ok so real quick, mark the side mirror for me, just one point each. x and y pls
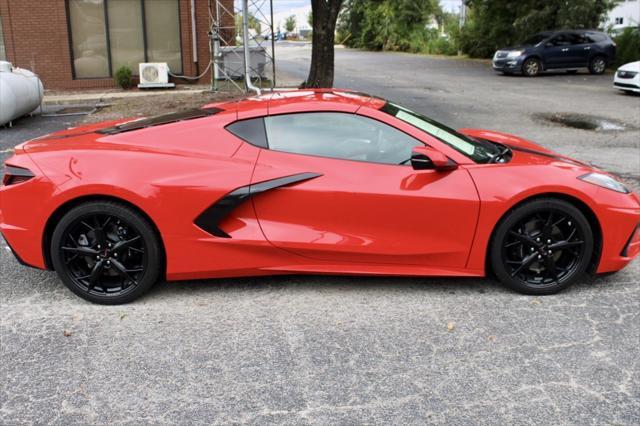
(549, 44)
(427, 158)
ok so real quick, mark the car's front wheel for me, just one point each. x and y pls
(542, 246)
(106, 252)
(531, 67)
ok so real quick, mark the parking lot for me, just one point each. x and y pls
(345, 350)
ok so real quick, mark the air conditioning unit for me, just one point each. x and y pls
(154, 75)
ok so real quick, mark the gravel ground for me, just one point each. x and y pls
(161, 104)
(346, 350)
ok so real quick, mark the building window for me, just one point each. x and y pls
(89, 40)
(108, 34)
(126, 37)
(3, 52)
(163, 33)
(619, 21)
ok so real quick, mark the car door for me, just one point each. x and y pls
(579, 51)
(556, 52)
(346, 198)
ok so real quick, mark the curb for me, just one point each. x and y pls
(58, 100)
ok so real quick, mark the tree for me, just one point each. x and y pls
(325, 16)
(389, 24)
(290, 23)
(254, 24)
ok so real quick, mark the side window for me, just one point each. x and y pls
(577, 38)
(251, 130)
(561, 40)
(595, 37)
(339, 135)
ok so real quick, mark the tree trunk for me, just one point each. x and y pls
(325, 15)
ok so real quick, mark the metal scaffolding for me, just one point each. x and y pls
(242, 45)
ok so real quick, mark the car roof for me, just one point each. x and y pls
(300, 100)
(584, 30)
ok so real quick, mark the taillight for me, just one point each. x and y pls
(13, 175)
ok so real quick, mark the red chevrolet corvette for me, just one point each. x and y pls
(311, 182)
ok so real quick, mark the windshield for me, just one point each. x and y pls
(478, 151)
(533, 40)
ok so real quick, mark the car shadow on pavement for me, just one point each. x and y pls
(346, 285)
(549, 74)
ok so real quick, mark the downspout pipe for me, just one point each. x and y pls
(194, 35)
(247, 55)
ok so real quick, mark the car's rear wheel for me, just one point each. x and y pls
(106, 252)
(597, 65)
(542, 246)
(531, 67)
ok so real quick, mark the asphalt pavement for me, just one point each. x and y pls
(347, 350)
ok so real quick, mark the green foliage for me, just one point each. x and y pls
(442, 46)
(123, 77)
(290, 23)
(389, 24)
(254, 24)
(493, 24)
(628, 46)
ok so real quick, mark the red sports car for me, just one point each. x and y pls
(307, 182)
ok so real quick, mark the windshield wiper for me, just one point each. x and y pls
(504, 151)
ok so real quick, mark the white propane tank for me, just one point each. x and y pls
(21, 92)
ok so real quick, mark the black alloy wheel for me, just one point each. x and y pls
(106, 252)
(542, 247)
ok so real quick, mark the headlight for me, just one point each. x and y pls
(605, 181)
(515, 53)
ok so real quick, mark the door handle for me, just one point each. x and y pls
(587, 48)
(565, 49)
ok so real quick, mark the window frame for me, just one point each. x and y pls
(268, 147)
(105, 10)
(4, 42)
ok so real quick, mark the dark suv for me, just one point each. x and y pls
(555, 50)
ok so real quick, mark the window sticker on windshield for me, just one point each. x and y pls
(460, 144)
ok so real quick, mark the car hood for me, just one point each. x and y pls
(512, 48)
(524, 151)
(632, 66)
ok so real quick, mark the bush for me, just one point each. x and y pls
(123, 77)
(442, 46)
(628, 46)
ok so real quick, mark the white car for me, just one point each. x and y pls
(628, 77)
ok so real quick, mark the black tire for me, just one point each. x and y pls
(541, 247)
(532, 67)
(106, 252)
(598, 65)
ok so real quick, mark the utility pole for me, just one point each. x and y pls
(463, 13)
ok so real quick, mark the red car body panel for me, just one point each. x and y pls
(353, 218)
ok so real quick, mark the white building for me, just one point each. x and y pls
(625, 14)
